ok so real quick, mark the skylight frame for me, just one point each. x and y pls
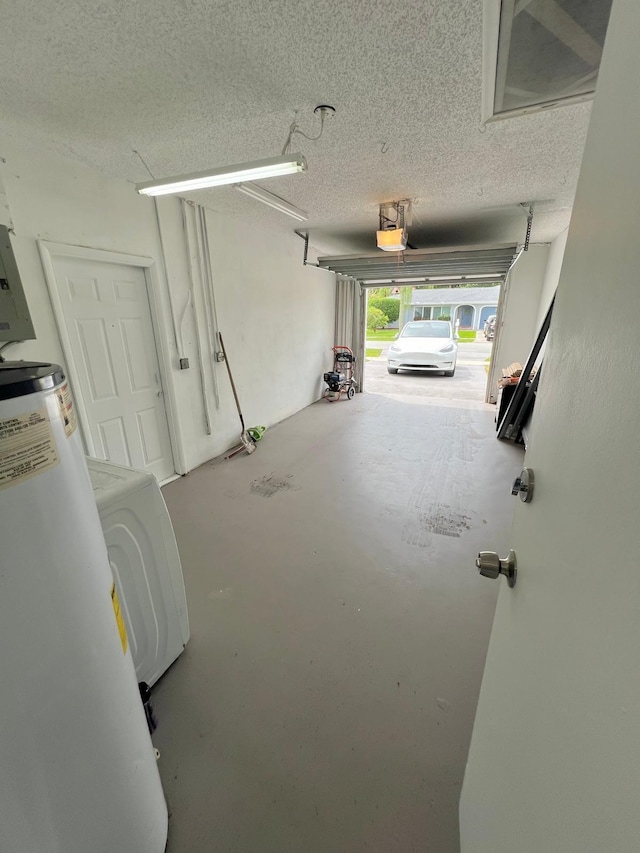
(491, 39)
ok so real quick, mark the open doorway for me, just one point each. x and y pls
(428, 340)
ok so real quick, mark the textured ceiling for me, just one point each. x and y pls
(198, 83)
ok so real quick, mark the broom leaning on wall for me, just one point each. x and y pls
(248, 437)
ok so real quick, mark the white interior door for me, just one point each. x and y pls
(106, 313)
(554, 763)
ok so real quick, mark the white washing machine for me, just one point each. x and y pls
(146, 565)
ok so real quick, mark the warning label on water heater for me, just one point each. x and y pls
(27, 447)
(67, 410)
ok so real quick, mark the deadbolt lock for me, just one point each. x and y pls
(490, 565)
(523, 485)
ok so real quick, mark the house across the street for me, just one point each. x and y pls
(470, 305)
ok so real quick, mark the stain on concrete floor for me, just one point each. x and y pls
(270, 485)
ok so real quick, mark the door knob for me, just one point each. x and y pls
(491, 566)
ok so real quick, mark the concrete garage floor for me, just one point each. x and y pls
(339, 629)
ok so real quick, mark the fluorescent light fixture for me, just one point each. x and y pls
(261, 169)
(254, 191)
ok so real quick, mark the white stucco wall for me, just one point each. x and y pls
(276, 314)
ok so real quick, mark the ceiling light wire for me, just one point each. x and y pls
(144, 163)
(294, 129)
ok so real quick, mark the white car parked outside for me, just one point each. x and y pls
(424, 345)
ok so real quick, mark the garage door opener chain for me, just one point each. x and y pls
(529, 226)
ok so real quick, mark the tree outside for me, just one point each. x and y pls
(388, 306)
(376, 319)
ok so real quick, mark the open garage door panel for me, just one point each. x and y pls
(416, 265)
(440, 266)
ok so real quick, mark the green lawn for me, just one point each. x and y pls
(381, 334)
(466, 336)
(373, 353)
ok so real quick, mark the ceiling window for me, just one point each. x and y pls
(541, 53)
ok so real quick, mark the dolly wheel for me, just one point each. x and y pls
(392, 369)
(351, 392)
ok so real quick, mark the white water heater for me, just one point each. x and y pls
(77, 768)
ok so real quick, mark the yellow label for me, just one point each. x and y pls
(67, 409)
(119, 620)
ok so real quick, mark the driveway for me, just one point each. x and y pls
(469, 382)
(383, 345)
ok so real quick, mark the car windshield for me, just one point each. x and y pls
(427, 329)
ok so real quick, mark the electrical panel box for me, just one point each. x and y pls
(15, 320)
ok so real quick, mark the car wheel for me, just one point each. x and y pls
(392, 369)
(450, 372)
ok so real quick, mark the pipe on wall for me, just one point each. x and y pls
(203, 380)
(210, 281)
(202, 238)
(177, 333)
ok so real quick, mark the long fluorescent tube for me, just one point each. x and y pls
(272, 200)
(257, 171)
